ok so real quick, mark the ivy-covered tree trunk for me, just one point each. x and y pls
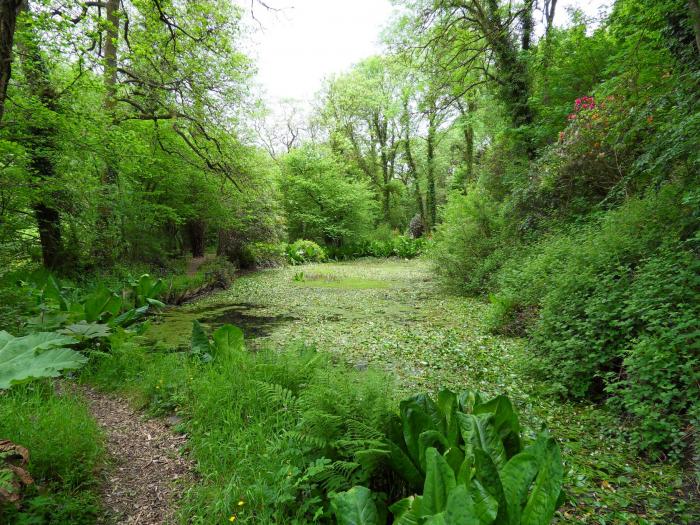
(106, 242)
(430, 199)
(41, 145)
(694, 7)
(9, 9)
(406, 124)
(468, 131)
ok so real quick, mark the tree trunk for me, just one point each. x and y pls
(106, 247)
(513, 72)
(412, 165)
(694, 7)
(9, 9)
(49, 224)
(430, 175)
(111, 43)
(527, 26)
(468, 131)
(196, 232)
(41, 147)
(549, 9)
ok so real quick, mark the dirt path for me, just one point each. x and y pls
(196, 262)
(148, 474)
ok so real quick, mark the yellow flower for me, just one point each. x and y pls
(241, 503)
(232, 518)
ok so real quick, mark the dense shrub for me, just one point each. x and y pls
(303, 251)
(264, 255)
(322, 203)
(398, 246)
(466, 249)
(611, 310)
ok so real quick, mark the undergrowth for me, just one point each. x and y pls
(272, 433)
(66, 449)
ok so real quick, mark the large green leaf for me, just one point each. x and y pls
(431, 438)
(485, 505)
(479, 432)
(52, 290)
(447, 401)
(35, 356)
(415, 421)
(200, 344)
(101, 304)
(228, 338)
(460, 509)
(505, 420)
(129, 317)
(83, 330)
(146, 288)
(487, 475)
(403, 465)
(516, 478)
(439, 481)
(543, 499)
(407, 511)
(355, 507)
(467, 400)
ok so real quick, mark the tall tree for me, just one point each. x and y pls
(9, 10)
(41, 141)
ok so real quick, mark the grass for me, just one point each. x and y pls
(66, 449)
(426, 340)
(241, 412)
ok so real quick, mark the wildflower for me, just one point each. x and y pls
(241, 503)
(232, 518)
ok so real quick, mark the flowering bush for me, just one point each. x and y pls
(593, 157)
(303, 251)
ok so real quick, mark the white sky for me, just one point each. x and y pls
(305, 41)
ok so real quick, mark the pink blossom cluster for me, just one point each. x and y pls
(582, 103)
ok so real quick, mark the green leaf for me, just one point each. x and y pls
(52, 290)
(228, 338)
(460, 509)
(402, 464)
(355, 507)
(516, 478)
(447, 401)
(407, 511)
(431, 438)
(506, 422)
(479, 432)
(35, 356)
(129, 317)
(439, 481)
(487, 475)
(146, 288)
(485, 505)
(542, 502)
(100, 304)
(467, 400)
(200, 342)
(83, 330)
(415, 421)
